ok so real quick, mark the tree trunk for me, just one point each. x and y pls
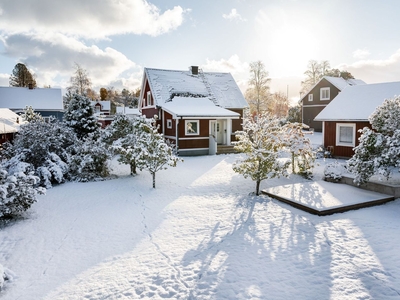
(258, 187)
(154, 179)
(133, 167)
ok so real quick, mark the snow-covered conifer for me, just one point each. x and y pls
(379, 149)
(46, 147)
(30, 115)
(260, 142)
(18, 189)
(89, 161)
(79, 115)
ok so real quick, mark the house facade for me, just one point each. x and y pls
(46, 101)
(320, 95)
(102, 110)
(197, 111)
(349, 112)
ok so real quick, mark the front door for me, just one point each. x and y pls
(221, 132)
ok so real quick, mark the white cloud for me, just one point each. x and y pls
(373, 71)
(54, 55)
(88, 18)
(233, 15)
(4, 79)
(361, 53)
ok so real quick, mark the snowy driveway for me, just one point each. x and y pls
(199, 235)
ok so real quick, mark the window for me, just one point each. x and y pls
(325, 94)
(310, 97)
(345, 134)
(149, 103)
(169, 124)
(192, 127)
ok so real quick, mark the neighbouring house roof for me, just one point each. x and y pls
(358, 102)
(128, 111)
(339, 82)
(166, 84)
(41, 99)
(9, 121)
(197, 107)
(105, 105)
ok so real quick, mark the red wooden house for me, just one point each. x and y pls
(349, 112)
(320, 95)
(197, 111)
(9, 124)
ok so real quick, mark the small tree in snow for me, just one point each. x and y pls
(379, 149)
(79, 115)
(300, 147)
(261, 143)
(30, 115)
(155, 154)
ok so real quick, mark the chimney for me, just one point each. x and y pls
(195, 70)
(30, 86)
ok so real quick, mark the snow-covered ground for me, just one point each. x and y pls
(200, 234)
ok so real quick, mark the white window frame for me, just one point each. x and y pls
(324, 90)
(342, 143)
(187, 127)
(148, 99)
(310, 97)
(169, 124)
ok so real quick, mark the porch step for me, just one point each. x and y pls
(224, 149)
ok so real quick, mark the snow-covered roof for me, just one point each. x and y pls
(8, 121)
(164, 84)
(357, 103)
(339, 82)
(105, 105)
(17, 98)
(128, 111)
(196, 107)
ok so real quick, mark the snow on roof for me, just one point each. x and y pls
(166, 83)
(357, 103)
(105, 105)
(128, 111)
(8, 121)
(17, 98)
(196, 107)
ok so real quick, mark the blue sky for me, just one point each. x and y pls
(114, 40)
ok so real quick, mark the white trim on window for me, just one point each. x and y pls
(310, 97)
(346, 134)
(325, 93)
(148, 99)
(169, 124)
(192, 127)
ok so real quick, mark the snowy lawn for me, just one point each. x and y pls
(199, 235)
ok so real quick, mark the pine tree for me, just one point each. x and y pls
(29, 115)
(22, 77)
(80, 117)
(261, 143)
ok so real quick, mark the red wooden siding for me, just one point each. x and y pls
(169, 131)
(330, 138)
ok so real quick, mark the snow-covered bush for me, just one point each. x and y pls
(79, 115)
(379, 149)
(334, 171)
(261, 142)
(18, 189)
(89, 161)
(46, 147)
